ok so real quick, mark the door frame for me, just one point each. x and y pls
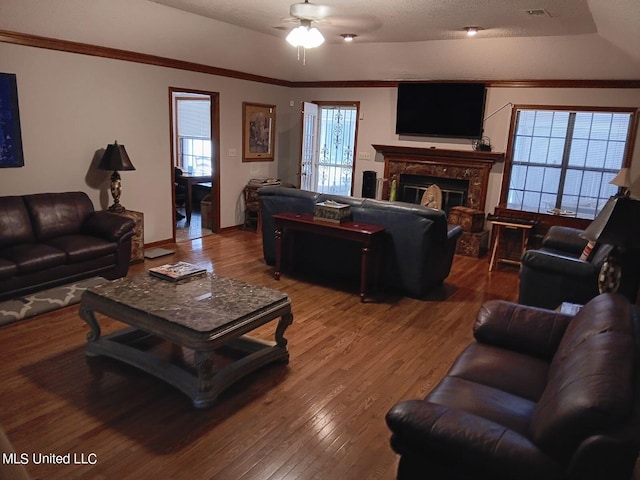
(214, 98)
(325, 103)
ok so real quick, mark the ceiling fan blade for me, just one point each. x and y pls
(309, 11)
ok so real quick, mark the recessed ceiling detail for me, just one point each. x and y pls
(381, 21)
(538, 12)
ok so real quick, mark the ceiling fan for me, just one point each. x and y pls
(305, 36)
(305, 11)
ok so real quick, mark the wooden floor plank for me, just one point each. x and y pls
(319, 417)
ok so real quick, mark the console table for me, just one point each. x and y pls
(369, 236)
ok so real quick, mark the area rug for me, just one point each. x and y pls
(45, 301)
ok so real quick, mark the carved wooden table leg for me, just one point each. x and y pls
(89, 316)
(276, 273)
(366, 251)
(205, 369)
(283, 323)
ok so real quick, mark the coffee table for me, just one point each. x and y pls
(209, 314)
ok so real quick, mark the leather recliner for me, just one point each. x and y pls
(538, 396)
(555, 273)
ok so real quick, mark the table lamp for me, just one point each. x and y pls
(115, 158)
(618, 224)
(622, 180)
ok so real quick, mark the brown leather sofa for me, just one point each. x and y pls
(539, 395)
(51, 239)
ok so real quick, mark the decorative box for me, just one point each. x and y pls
(470, 219)
(331, 211)
(473, 244)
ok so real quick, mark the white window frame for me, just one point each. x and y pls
(547, 158)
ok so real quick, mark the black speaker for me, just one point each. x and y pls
(369, 184)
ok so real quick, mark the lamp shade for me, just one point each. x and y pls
(617, 224)
(622, 179)
(115, 158)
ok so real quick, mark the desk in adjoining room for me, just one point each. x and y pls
(189, 181)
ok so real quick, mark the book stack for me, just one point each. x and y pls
(263, 182)
(175, 272)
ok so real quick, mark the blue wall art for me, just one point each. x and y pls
(10, 136)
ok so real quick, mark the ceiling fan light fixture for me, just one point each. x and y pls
(305, 36)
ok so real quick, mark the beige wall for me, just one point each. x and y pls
(71, 106)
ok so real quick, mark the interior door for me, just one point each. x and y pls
(309, 150)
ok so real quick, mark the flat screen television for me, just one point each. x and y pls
(440, 109)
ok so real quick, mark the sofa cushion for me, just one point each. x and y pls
(7, 268)
(15, 225)
(486, 402)
(31, 257)
(55, 214)
(502, 369)
(82, 247)
(590, 382)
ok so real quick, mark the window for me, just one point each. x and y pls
(561, 160)
(194, 132)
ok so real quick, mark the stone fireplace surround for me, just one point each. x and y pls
(469, 165)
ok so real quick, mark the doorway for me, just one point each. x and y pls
(329, 138)
(195, 163)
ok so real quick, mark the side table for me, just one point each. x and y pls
(499, 225)
(137, 241)
(252, 216)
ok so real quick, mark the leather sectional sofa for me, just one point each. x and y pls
(51, 239)
(416, 255)
(539, 395)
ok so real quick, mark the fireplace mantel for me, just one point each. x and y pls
(470, 165)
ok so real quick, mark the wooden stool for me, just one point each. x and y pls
(500, 224)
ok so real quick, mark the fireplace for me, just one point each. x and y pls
(454, 191)
(463, 174)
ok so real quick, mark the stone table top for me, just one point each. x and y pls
(201, 304)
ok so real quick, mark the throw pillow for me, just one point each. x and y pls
(588, 249)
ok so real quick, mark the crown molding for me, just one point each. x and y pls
(29, 40)
(129, 56)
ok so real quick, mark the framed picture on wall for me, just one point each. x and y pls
(258, 132)
(10, 135)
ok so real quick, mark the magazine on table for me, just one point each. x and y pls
(177, 271)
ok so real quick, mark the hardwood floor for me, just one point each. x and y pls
(320, 417)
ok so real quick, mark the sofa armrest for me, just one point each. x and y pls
(531, 330)
(562, 265)
(453, 232)
(113, 227)
(420, 427)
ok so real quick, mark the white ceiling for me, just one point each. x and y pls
(397, 39)
(405, 20)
